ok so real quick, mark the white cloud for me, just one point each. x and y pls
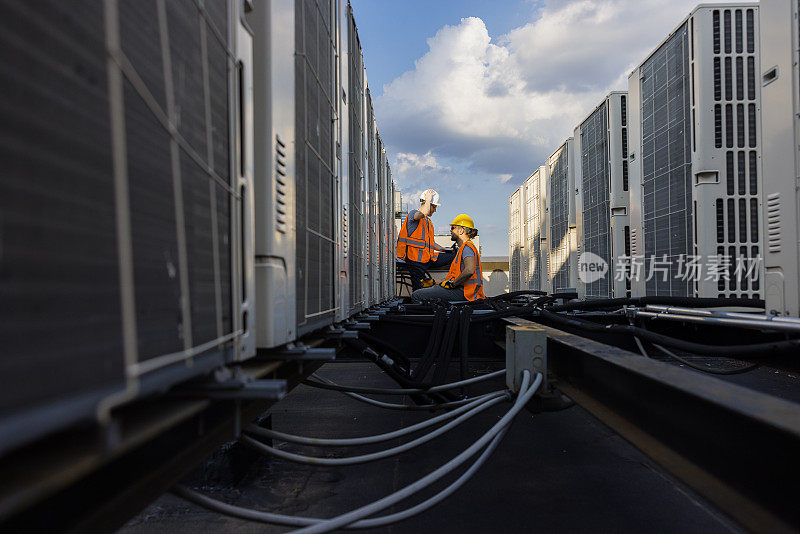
(503, 106)
(480, 114)
(406, 162)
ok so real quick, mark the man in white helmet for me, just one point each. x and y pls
(415, 243)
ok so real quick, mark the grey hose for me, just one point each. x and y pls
(398, 496)
(440, 406)
(371, 457)
(366, 440)
(294, 521)
(406, 391)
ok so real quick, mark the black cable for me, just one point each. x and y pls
(712, 370)
(397, 374)
(709, 370)
(432, 350)
(686, 346)
(446, 353)
(464, 344)
(534, 305)
(386, 347)
(689, 302)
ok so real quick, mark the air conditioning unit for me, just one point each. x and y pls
(393, 231)
(123, 266)
(694, 161)
(515, 252)
(275, 140)
(373, 243)
(780, 194)
(601, 176)
(386, 197)
(561, 220)
(297, 172)
(357, 176)
(534, 240)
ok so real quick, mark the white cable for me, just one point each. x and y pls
(345, 442)
(398, 496)
(407, 391)
(371, 457)
(413, 407)
(289, 520)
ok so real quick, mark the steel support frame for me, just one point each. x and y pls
(113, 487)
(737, 448)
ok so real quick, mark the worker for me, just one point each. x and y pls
(415, 243)
(465, 279)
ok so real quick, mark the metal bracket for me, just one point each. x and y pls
(232, 384)
(340, 333)
(295, 352)
(357, 326)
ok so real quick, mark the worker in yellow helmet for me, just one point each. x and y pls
(415, 243)
(465, 279)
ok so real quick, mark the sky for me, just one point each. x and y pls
(472, 96)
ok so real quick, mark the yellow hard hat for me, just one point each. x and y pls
(463, 220)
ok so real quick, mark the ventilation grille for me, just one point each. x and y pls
(514, 228)
(371, 212)
(774, 222)
(666, 160)
(735, 130)
(314, 198)
(533, 234)
(356, 193)
(595, 171)
(280, 185)
(559, 219)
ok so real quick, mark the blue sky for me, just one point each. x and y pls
(471, 96)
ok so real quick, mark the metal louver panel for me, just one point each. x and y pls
(356, 212)
(314, 196)
(666, 159)
(533, 233)
(595, 172)
(98, 187)
(738, 208)
(559, 219)
(515, 252)
(372, 205)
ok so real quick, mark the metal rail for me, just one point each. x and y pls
(738, 448)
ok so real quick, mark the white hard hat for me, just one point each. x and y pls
(434, 197)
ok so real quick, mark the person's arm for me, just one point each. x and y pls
(467, 271)
(439, 247)
(417, 215)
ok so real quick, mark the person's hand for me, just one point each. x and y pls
(447, 284)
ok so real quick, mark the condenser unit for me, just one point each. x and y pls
(353, 147)
(561, 220)
(534, 231)
(515, 252)
(694, 161)
(297, 168)
(780, 109)
(601, 177)
(373, 243)
(125, 200)
(391, 214)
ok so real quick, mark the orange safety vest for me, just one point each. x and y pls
(473, 286)
(419, 245)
